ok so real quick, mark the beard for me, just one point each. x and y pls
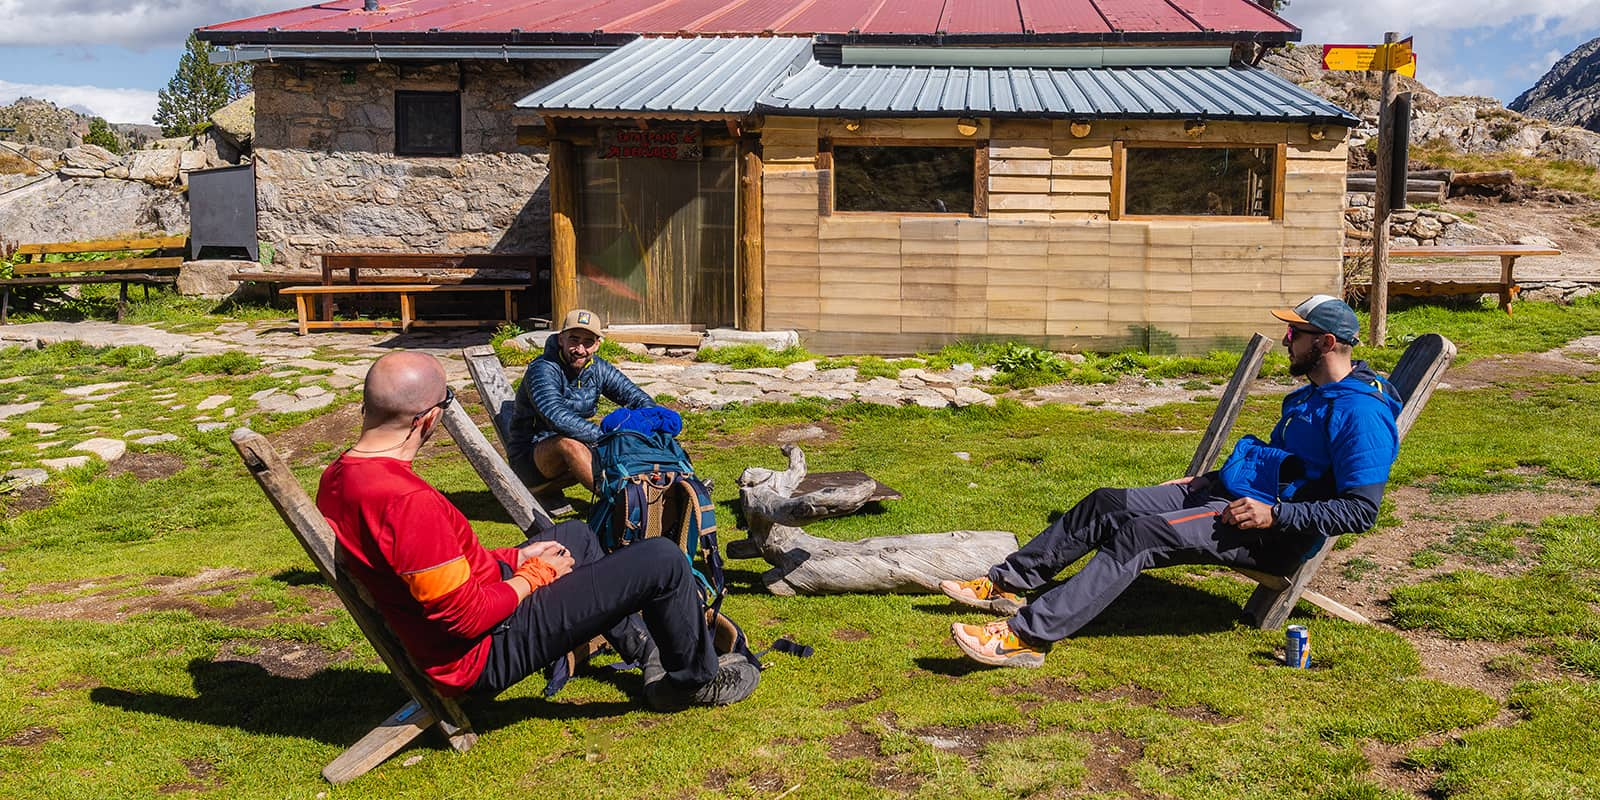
(1302, 365)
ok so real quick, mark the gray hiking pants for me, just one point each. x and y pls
(1132, 530)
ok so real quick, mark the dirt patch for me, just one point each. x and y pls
(31, 498)
(146, 466)
(310, 440)
(1521, 369)
(202, 771)
(31, 736)
(857, 700)
(966, 742)
(279, 658)
(167, 593)
(854, 744)
(851, 635)
(1110, 756)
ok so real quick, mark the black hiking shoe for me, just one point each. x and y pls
(736, 679)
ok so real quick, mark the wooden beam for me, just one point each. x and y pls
(1280, 174)
(1119, 178)
(563, 230)
(105, 245)
(752, 264)
(980, 180)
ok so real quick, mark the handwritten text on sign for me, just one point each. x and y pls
(668, 144)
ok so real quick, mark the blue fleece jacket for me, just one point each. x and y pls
(1341, 441)
(554, 400)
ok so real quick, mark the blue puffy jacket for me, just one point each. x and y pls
(553, 400)
(1341, 440)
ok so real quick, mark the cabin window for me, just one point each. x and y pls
(427, 123)
(1201, 181)
(906, 179)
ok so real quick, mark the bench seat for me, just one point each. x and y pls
(407, 293)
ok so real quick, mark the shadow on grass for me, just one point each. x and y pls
(1152, 606)
(335, 706)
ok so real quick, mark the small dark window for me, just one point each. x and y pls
(904, 179)
(427, 123)
(1200, 181)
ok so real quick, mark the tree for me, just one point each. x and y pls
(100, 133)
(197, 90)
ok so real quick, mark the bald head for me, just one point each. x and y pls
(400, 386)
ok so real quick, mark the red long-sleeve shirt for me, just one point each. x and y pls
(433, 581)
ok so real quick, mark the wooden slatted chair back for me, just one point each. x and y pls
(427, 706)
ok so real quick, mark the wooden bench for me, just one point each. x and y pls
(427, 707)
(145, 270)
(497, 396)
(1506, 287)
(1415, 377)
(407, 292)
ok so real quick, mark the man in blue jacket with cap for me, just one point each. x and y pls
(551, 427)
(1321, 474)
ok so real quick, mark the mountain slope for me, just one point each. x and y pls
(1569, 93)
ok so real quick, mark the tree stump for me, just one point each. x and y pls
(806, 564)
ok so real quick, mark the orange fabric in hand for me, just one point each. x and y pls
(536, 572)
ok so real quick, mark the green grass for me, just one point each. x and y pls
(1164, 694)
(1549, 173)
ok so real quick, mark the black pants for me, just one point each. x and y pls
(601, 597)
(1132, 530)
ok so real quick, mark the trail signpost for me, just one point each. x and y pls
(1394, 55)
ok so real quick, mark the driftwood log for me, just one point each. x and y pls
(806, 564)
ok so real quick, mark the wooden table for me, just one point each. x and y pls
(407, 293)
(1506, 287)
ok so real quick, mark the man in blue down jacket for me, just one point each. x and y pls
(1270, 506)
(551, 431)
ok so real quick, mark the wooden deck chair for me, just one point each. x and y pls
(518, 501)
(497, 396)
(427, 707)
(1415, 377)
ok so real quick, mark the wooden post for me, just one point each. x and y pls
(563, 233)
(1378, 295)
(752, 250)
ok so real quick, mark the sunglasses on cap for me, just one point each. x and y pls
(449, 397)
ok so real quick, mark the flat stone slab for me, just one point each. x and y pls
(109, 334)
(58, 464)
(95, 389)
(42, 427)
(207, 427)
(18, 409)
(23, 478)
(156, 439)
(212, 402)
(108, 450)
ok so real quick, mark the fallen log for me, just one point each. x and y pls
(1371, 185)
(775, 505)
(1415, 175)
(1499, 177)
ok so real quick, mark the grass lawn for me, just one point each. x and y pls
(161, 633)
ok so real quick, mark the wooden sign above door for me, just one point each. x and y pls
(666, 144)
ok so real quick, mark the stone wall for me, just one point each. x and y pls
(327, 177)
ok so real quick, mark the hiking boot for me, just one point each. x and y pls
(982, 593)
(997, 645)
(736, 679)
(554, 502)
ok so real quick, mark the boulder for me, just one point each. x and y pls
(83, 209)
(208, 278)
(219, 152)
(155, 167)
(236, 122)
(80, 172)
(191, 160)
(89, 156)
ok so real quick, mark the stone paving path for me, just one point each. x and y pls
(314, 372)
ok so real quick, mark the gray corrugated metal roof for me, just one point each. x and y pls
(700, 75)
(1219, 93)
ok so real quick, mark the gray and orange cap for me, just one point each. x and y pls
(1325, 313)
(583, 319)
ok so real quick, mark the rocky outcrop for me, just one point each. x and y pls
(1569, 94)
(236, 122)
(60, 209)
(1468, 124)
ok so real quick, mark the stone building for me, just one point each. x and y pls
(879, 177)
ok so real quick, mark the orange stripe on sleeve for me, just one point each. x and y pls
(433, 583)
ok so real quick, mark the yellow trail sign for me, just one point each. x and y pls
(1397, 57)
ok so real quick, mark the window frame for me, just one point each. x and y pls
(827, 199)
(403, 123)
(1119, 179)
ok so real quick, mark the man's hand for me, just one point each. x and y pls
(1247, 514)
(552, 553)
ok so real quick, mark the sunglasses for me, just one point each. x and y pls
(1298, 332)
(449, 397)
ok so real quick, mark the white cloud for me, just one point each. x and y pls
(138, 24)
(1332, 20)
(116, 105)
(1451, 85)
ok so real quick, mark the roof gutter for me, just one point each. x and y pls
(393, 52)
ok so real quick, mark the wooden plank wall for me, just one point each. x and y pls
(1046, 265)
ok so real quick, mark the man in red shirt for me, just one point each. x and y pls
(478, 620)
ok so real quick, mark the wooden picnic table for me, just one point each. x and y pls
(1506, 287)
(407, 293)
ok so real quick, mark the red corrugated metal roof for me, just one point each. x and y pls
(1001, 20)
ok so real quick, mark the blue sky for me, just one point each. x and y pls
(111, 56)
